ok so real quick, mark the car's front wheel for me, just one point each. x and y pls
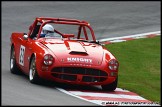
(33, 75)
(110, 87)
(13, 66)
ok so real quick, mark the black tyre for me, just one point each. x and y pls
(110, 87)
(13, 66)
(33, 75)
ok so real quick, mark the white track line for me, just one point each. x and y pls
(130, 36)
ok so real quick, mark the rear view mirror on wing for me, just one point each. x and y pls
(25, 36)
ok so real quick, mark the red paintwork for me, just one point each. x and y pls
(60, 49)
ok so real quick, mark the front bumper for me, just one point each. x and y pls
(78, 75)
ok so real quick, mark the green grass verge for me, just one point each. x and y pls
(139, 69)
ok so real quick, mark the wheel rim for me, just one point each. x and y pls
(32, 71)
(12, 60)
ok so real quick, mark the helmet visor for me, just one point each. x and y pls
(46, 31)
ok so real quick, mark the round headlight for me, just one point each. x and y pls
(113, 64)
(48, 59)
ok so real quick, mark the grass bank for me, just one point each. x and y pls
(139, 69)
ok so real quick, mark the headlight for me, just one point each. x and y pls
(48, 59)
(113, 64)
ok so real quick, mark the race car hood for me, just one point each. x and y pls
(75, 52)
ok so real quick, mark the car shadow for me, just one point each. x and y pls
(67, 86)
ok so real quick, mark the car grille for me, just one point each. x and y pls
(79, 74)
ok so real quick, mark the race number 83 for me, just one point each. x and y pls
(21, 55)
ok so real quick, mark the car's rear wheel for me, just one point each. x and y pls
(33, 75)
(13, 66)
(110, 87)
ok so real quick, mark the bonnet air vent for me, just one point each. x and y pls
(76, 52)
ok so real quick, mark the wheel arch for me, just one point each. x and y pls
(11, 48)
(32, 55)
(12, 45)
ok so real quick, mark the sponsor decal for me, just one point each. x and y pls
(83, 60)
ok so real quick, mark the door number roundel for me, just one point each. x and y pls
(21, 55)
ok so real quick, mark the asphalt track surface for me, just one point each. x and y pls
(108, 19)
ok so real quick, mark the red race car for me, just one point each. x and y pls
(63, 50)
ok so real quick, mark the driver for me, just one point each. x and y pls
(47, 30)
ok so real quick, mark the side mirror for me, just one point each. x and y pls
(25, 36)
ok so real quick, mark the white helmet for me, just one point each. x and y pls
(47, 29)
